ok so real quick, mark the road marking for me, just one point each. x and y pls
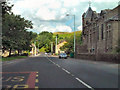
(31, 80)
(8, 79)
(84, 83)
(57, 65)
(36, 88)
(36, 80)
(20, 86)
(88, 86)
(72, 75)
(65, 70)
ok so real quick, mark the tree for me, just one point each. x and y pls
(15, 34)
(44, 39)
(69, 46)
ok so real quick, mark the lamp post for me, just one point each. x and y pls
(74, 31)
(35, 48)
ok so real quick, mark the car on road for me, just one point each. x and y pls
(63, 55)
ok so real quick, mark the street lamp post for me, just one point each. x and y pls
(35, 48)
(74, 31)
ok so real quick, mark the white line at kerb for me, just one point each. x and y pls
(84, 83)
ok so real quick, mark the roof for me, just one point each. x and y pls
(89, 13)
(114, 18)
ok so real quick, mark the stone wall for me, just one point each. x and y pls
(115, 58)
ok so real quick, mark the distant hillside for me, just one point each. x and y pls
(66, 35)
(66, 32)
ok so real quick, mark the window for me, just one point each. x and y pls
(98, 32)
(102, 35)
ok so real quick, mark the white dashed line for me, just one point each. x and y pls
(88, 86)
(83, 83)
(66, 71)
(57, 65)
(72, 75)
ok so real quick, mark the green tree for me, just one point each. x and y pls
(44, 39)
(69, 46)
(15, 34)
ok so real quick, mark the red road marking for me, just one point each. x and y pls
(31, 80)
(14, 72)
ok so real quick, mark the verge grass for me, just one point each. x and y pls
(13, 58)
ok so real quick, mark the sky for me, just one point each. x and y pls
(50, 15)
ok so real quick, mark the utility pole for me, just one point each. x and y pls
(56, 46)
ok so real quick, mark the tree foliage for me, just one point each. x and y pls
(44, 39)
(69, 46)
(14, 32)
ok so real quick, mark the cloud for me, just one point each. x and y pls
(45, 14)
(50, 15)
(69, 3)
(79, 28)
(64, 28)
(58, 28)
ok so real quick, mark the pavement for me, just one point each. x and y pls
(51, 72)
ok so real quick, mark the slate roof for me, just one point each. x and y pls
(89, 13)
(116, 17)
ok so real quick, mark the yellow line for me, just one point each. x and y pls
(36, 75)
(36, 72)
(36, 80)
(36, 88)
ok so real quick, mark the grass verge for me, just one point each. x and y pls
(13, 58)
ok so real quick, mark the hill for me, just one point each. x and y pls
(66, 34)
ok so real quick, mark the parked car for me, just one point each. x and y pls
(62, 55)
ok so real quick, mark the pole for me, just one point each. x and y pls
(52, 47)
(56, 45)
(35, 48)
(74, 33)
(38, 47)
(74, 36)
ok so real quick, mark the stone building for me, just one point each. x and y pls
(101, 31)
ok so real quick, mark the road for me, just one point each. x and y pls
(51, 72)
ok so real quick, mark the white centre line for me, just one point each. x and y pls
(84, 83)
(72, 75)
(57, 65)
(88, 86)
(66, 71)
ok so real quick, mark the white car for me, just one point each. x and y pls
(62, 55)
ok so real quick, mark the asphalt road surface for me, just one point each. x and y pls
(51, 72)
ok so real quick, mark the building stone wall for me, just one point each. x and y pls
(101, 30)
